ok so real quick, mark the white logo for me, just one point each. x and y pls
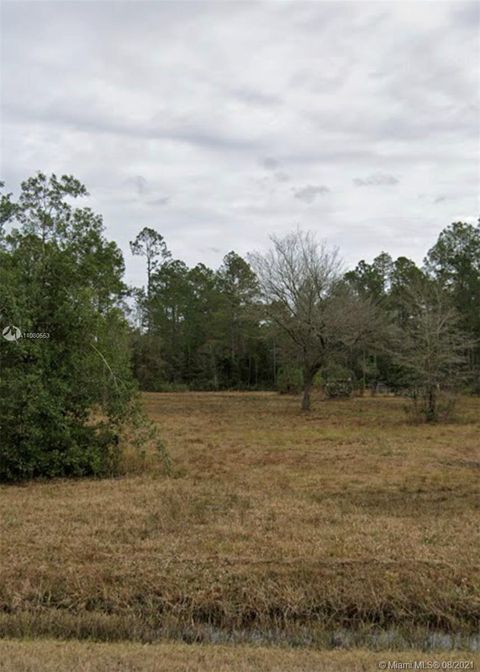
(11, 333)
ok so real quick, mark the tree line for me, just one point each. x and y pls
(288, 319)
(292, 318)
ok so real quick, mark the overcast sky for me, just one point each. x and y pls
(221, 123)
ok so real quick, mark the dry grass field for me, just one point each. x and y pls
(72, 656)
(275, 527)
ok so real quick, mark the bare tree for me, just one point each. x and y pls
(431, 348)
(304, 295)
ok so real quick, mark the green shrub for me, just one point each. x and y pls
(64, 396)
(339, 389)
(171, 387)
(419, 410)
(338, 382)
(289, 380)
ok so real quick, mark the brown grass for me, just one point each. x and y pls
(58, 656)
(274, 525)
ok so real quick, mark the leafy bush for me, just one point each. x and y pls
(171, 387)
(339, 388)
(420, 409)
(289, 380)
(338, 381)
(63, 397)
(143, 449)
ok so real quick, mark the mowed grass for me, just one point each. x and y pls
(275, 526)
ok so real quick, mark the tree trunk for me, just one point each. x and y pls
(431, 404)
(274, 365)
(308, 376)
(149, 296)
(364, 374)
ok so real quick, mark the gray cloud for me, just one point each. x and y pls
(341, 94)
(270, 163)
(140, 184)
(162, 200)
(466, 15)
(258, 97)
(309, 193)
(376, 179)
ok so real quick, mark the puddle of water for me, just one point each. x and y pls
(424, 640)
(427, 640)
